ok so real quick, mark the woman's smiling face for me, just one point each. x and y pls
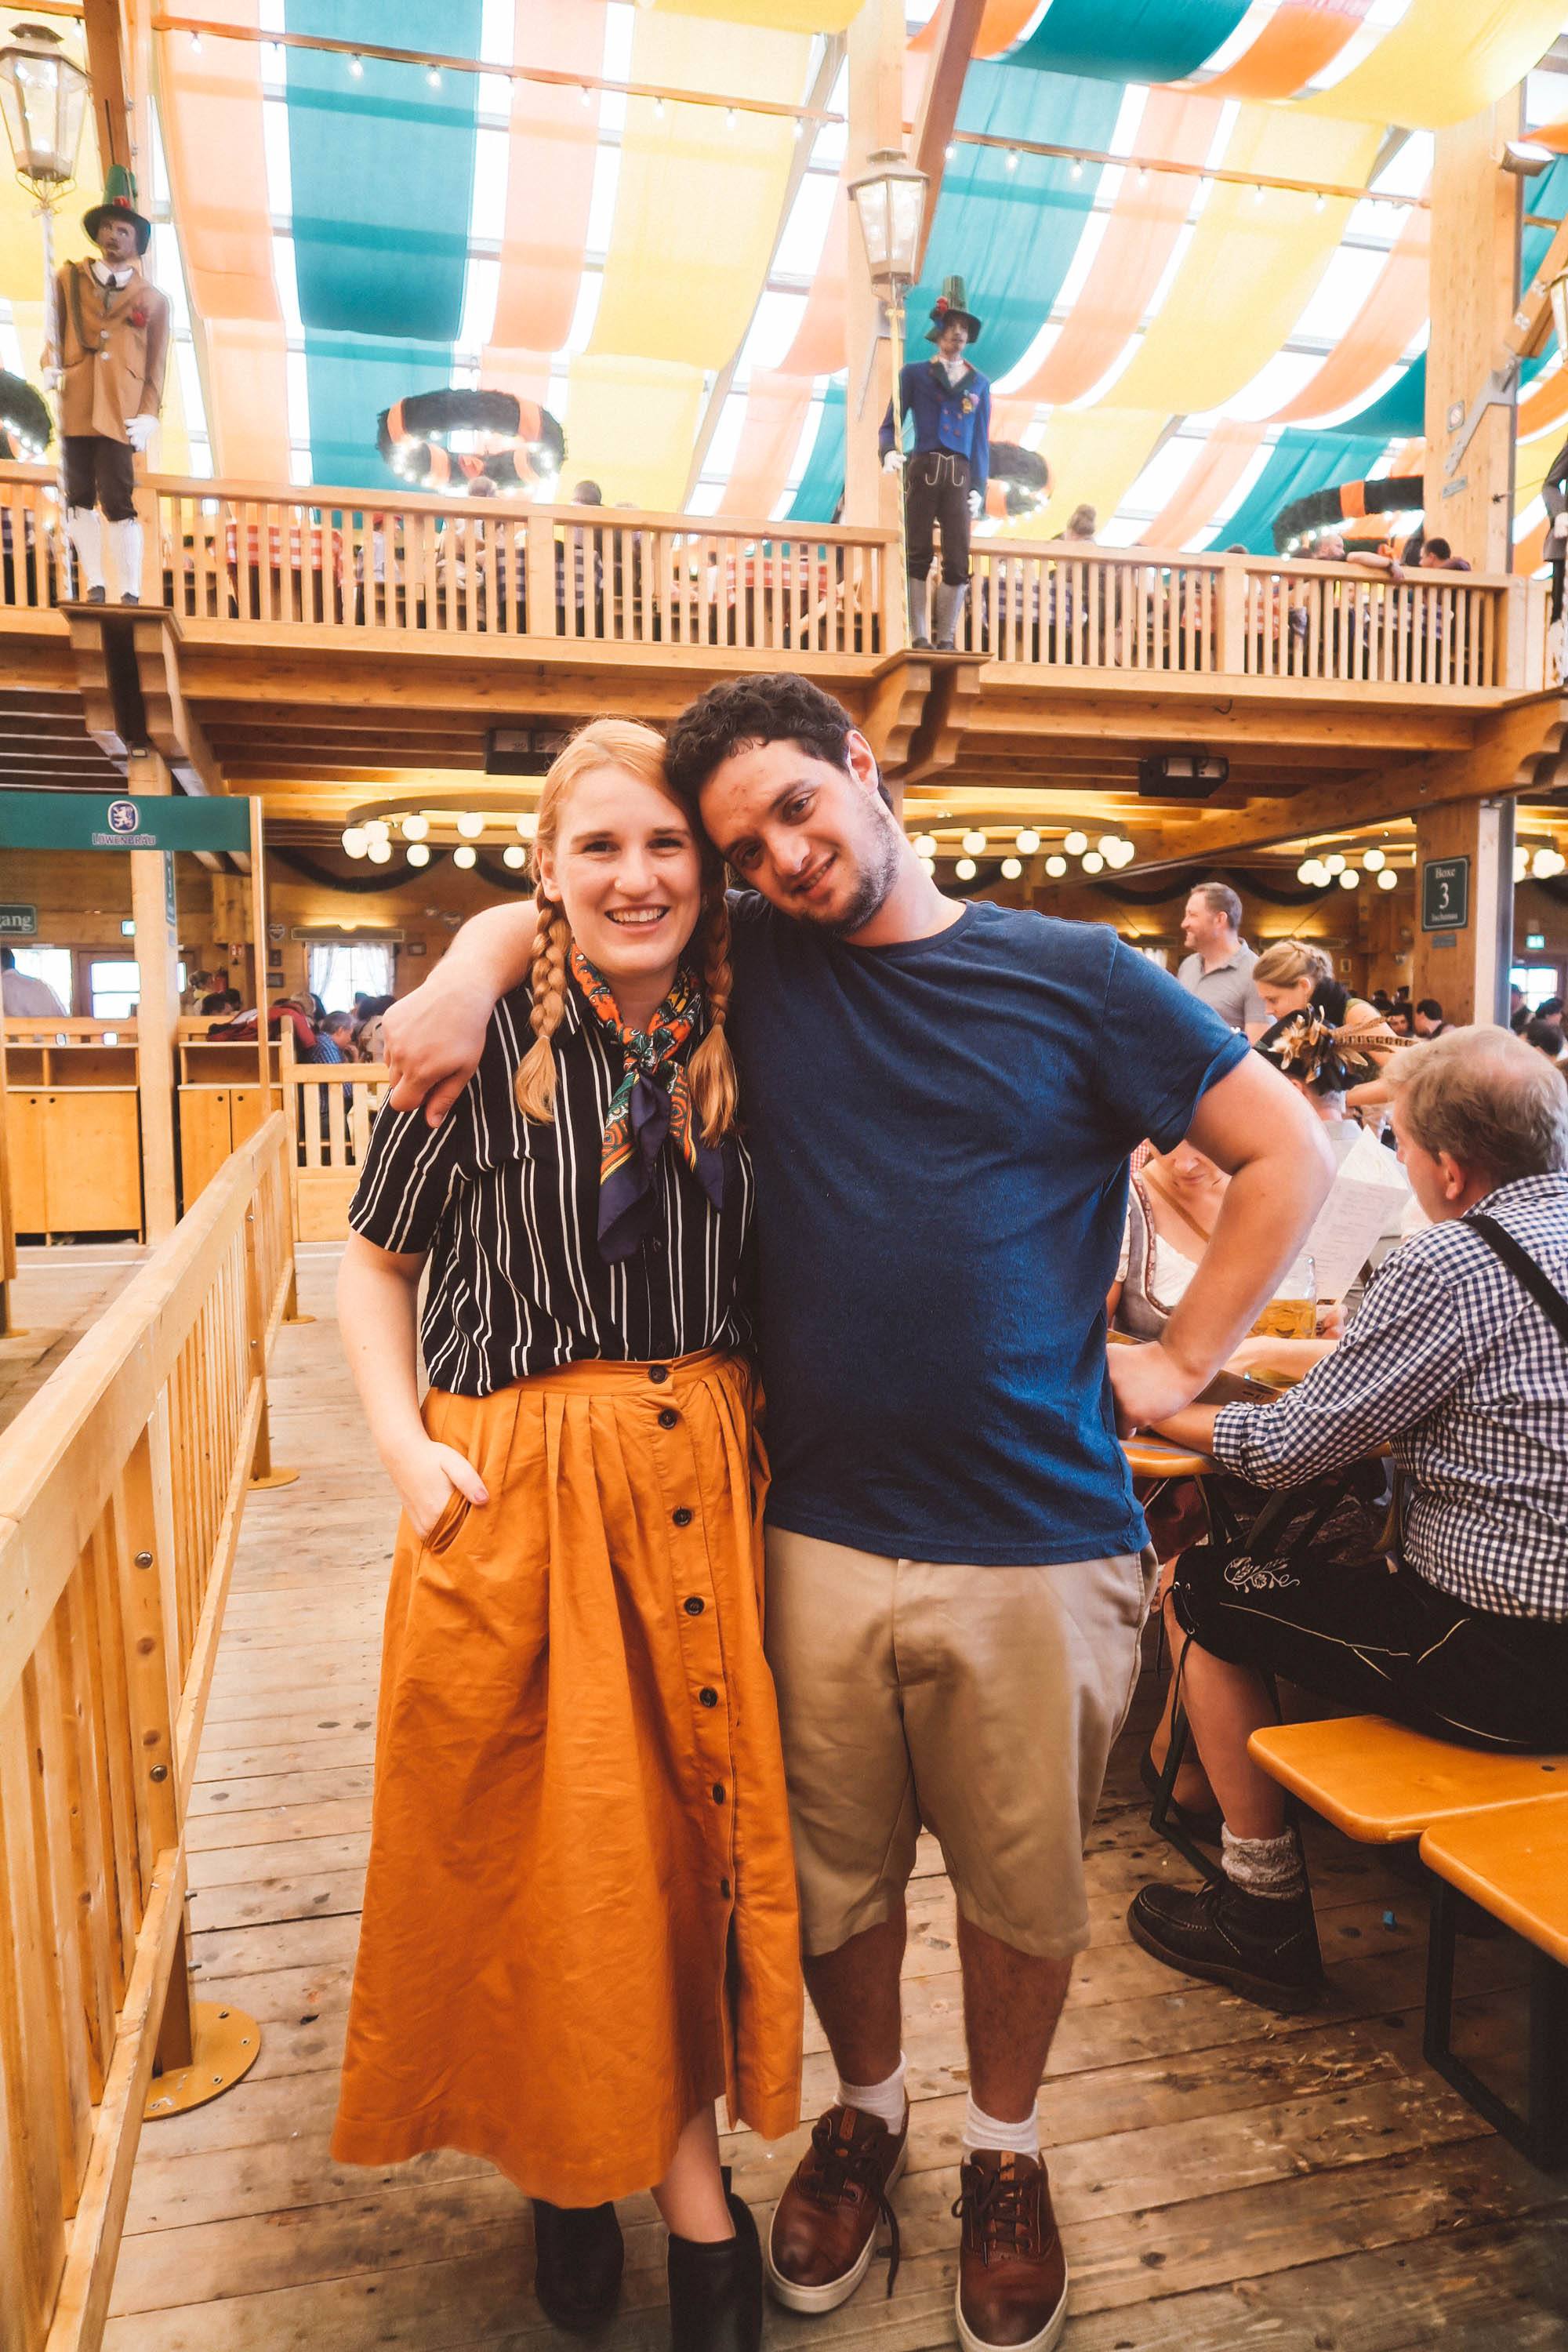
(625, 868)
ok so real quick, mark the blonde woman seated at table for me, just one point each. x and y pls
(1172, 1202)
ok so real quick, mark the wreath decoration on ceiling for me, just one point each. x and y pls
(526, 447)
(1344, 502)
(1020, 480)
(26, 430)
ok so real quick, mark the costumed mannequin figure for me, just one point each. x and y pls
(112, 338)
(946, 472)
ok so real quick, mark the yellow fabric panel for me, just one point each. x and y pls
(630, 426)
(1093, 454)
(1443, 60)
(698, 198)
(776, 15)
(1253, 264)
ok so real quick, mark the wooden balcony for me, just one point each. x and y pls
(307, 642)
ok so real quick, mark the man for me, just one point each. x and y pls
(949, 403)
(1430, 1021)
(1453, 1362)
(112, 332)
(21, 993)
(1217, 967)
(939, 1101)
(335, 1039)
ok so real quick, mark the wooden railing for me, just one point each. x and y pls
(353, 564)
(330, 1107)
(121, 1486)
(1125, 610)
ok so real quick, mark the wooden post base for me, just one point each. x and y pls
(276, 1476)
(226, 2042)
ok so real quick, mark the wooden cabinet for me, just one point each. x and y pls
(75, 1160)
(214, 1121)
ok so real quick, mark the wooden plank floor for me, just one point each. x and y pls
(1224, 2177)
(59, 1292)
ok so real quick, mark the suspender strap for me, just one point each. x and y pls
(1517, 1258)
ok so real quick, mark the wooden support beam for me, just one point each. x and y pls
(936, 747)
(938, 115)
(1474, 289)
(1466, 967)
(894, 712)
(109, 71)
(877, 42)
(1504, 758)
(172, 726)
(158, 1005)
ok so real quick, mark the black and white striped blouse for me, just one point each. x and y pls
(508, 1210)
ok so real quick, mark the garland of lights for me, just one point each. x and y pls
(23, 419)
(412, 436)
(1022, 476)
(1344, 502)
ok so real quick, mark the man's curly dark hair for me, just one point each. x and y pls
(772, 708)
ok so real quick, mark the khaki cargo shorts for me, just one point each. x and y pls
(979, 1703)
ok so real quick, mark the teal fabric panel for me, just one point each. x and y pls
(1304, 460)
(1135, 40)
(1011, 235)
(381, 167)
(351, 378)
(822, 485)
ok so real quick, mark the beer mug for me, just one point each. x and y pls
(1292, 1312)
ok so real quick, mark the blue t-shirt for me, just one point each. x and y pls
(940, 1132)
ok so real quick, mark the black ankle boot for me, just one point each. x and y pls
(578, 2256)
(1265, 1946)
(716, 2291)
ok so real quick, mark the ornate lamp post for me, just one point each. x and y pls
(43, 100)
(890, 200)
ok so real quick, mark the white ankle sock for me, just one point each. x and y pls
(980, 2130)
(1271, 1866)
(885, 2101)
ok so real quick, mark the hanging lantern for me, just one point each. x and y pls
(43, 98)
(889, 205)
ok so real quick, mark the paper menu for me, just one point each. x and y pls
(1368, 1195)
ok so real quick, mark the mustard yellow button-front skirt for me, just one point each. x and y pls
(580, 1917)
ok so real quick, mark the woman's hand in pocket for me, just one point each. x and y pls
(425, 1478)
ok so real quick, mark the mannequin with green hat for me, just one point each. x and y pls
(948, 403)
(112, 335)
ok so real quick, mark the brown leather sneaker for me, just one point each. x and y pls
(824, 2230)
(1012, 2273)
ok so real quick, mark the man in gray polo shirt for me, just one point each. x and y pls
(1219, 968)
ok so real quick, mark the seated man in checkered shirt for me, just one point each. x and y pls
(1458, 1362)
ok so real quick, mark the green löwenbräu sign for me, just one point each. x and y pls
(123, 821)
(1445, 894)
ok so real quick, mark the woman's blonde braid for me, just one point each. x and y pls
(711, 1070)
(547, 981)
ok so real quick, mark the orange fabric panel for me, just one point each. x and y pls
(211, 121)
(1300, 39)
(1382, 330)
(1140, 237)
(548, 186)
(1214, 473)
(776, 407)
(1547, 405)
(999, 28)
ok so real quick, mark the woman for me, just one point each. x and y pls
(1292, 976)
(1172, 1201)
(579, 1922)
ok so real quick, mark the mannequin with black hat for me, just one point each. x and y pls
(112, 335)
(949, 402)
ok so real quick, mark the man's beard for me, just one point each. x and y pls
(875, 875)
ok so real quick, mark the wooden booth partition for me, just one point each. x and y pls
(219, 1100)
(329, 1107)
(74, 1126)
(121, 1486)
